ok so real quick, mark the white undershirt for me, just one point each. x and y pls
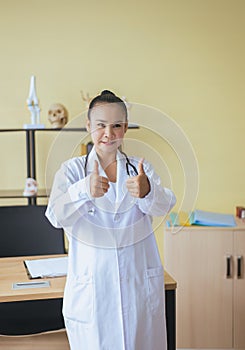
(113, 187)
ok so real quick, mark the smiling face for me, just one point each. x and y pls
(107, 126)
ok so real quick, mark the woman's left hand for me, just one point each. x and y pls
(139, 186)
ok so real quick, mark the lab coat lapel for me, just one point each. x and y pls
(90, 163)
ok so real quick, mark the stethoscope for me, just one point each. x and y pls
(131, 172)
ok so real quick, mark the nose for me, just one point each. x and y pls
(109, 131)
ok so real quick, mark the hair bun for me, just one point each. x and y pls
(107, 96)
(107, 92)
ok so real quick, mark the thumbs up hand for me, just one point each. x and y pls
(139, 186)
(99, 185)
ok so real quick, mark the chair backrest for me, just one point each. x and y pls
(24, 230)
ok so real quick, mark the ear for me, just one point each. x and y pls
(88, 125)
(125, 127)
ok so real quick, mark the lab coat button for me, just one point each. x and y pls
(91, 211)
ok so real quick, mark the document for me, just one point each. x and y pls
(48, 267)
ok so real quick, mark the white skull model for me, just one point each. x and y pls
(30, 187)
(57, 115)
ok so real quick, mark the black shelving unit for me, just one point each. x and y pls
(30, 135)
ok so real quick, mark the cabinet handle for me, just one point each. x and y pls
(228, 266)
(239, 266)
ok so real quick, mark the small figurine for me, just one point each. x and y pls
(32, 103)
(30, 187)
(57, 115)
(86, 98)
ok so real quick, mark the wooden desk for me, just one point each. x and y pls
(13, 270)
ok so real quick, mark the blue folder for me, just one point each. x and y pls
(205, 218)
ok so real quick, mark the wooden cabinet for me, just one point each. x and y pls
(208, 265)
(239, 290)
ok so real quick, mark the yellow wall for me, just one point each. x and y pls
(182, 57)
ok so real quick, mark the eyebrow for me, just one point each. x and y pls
(106, 121)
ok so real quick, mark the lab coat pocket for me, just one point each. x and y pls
(78, 302)
(155, 288)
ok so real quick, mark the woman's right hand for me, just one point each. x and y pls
(99, 185)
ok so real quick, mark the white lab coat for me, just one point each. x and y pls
(114, 294)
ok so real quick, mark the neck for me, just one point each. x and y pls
(106, 159)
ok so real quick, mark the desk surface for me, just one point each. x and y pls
(13, 270)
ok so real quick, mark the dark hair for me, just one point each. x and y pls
(107, 96)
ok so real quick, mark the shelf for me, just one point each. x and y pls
(130, 126)
(30, 135)
(45, 129)
(42, 193)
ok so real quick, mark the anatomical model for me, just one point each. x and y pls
(32, 104)
(57, 115)
(30, 187)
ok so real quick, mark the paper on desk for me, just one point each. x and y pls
(48, 267)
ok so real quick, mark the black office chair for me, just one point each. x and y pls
(24, 230)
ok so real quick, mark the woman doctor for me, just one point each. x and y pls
(114, 294)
